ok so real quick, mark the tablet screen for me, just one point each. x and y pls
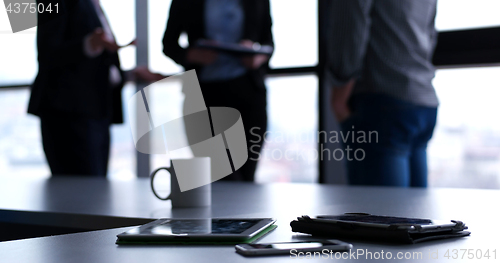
(196, 226)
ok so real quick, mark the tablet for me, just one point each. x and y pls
(187, 230)
(235, 49)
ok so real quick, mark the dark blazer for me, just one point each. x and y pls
(188, 16)
(69, 82)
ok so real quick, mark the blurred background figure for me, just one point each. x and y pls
(226, 80)
(77, 92)
(382, 74)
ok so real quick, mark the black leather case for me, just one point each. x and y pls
(390, 234)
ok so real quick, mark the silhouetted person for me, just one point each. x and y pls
(77, 92)
(382, 75)
(226, 80)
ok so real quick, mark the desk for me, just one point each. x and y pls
(68, 200)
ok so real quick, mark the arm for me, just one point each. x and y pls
(350, 27)
(267, 35)
(266, 38)
(54, 50)
(171, 47)
(434, 33)
(339, 98)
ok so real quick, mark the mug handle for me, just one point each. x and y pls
(171, 171)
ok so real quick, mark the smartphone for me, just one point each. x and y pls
(293, 248)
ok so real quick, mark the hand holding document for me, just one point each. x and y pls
(240, 49)
(254, 61)
(99, 40)
(142, 73)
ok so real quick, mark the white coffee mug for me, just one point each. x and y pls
(198, 169)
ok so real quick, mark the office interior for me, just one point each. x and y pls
(464, 151)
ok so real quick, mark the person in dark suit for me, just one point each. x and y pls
(226, 80)
(77, 92)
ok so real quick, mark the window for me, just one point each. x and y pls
(292, 101)
(467, 14)
(465, 148)
(122, 23)
(21, 152)
(290, 146)
(289, 153)
(295, 30)
(296, 40)
(122, 158)
(18, 65)
(158, 15)
(122, 161)
(166, 99)
(18, 51)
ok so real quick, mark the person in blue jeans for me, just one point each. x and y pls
(381, 70)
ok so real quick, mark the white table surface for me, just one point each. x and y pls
(70, 201)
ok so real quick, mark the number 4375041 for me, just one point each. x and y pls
(23, 8)
(470, 254)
